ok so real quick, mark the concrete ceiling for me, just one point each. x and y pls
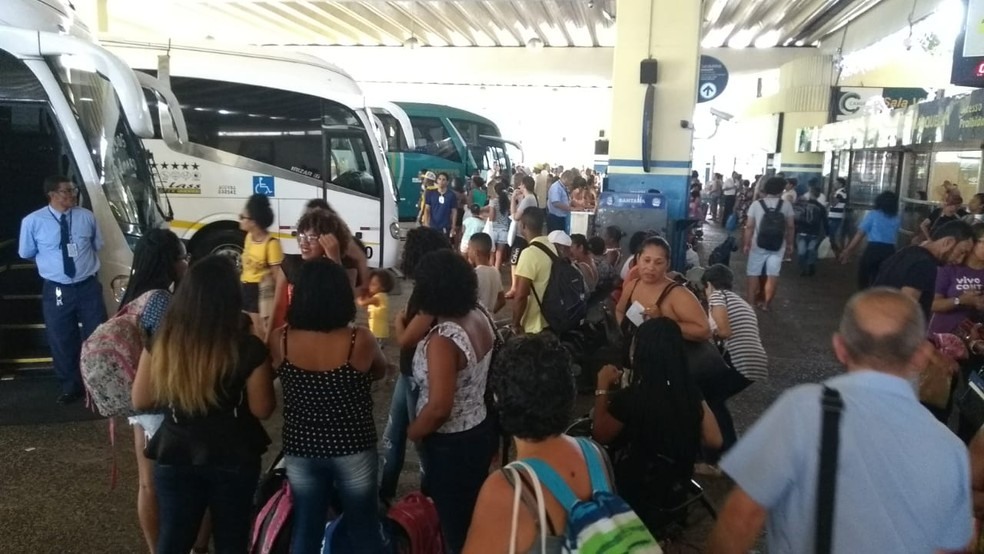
(490, 23)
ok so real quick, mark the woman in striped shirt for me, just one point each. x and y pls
(735, 326)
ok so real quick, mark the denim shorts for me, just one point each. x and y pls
(759, 259)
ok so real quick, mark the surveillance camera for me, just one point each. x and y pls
(722, 115)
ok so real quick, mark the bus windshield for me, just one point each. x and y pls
(116, 152)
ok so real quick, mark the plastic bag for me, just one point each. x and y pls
(824, 250)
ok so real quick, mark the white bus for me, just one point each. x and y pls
(289, 126)
(67, 106)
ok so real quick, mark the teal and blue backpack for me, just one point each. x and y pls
(602, 524)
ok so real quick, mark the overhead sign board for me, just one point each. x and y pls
(847, 102)
(713, 79)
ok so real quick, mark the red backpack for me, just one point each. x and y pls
(417, 517)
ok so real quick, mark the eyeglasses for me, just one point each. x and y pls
(245, 218)
(72, 191)
(306, 238)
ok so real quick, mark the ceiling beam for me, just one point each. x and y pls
(369, 11)
(314, 23)
(543, 16)
(356, 21)
(270, 11)
(450, 23)
(232, 11)
(419, 25)
(327, 17)
(499, 20)
(463, 13)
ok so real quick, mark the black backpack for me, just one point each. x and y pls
(807, 213)
(772, 228)
(564, 303)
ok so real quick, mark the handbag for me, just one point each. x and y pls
(512, 473)
(704, 360)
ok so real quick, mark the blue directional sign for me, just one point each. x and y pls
(713, 79)
(264, 184)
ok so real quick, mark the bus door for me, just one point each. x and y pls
(396, 125)
(494, 154)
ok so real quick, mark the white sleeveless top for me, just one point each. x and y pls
(468, 409)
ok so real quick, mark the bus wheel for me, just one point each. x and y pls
(224, 243)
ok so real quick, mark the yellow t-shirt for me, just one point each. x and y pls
(534, 264)
(259, 257)
(379, 316)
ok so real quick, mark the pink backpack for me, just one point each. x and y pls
(110, 356)
(272, 525)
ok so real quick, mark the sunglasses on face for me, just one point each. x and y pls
(305, 238)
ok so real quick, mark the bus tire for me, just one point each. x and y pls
(225, 242)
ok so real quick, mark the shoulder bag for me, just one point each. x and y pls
(832, 405)
(704, 360)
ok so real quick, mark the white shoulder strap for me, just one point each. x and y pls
(541, 505)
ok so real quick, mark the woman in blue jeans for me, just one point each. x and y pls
(326, 367)
(456, 434)
(410, 330)
(211, 377)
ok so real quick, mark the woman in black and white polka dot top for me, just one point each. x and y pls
(326, 366)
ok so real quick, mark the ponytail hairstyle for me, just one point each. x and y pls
(155, 261)
(500, 191)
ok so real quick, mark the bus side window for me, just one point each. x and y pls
(433, 138)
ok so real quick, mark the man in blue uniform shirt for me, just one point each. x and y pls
(64, 241)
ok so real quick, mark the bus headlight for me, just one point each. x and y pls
(118, 285)
(395, 230)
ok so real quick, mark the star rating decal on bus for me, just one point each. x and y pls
(172, 165)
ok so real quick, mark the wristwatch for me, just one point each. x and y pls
(601, 392)
(956, 300)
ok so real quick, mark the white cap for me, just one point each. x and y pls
(559, 237)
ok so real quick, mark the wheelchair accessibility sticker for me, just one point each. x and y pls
(265, 185)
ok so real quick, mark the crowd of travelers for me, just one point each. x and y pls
(213, 338)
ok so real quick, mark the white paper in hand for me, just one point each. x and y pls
(635, 313)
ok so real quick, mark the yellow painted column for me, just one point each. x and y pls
(669, 32)
(804, 166)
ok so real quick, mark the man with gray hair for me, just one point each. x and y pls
(900, 480)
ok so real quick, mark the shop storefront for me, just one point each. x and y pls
(918, 152)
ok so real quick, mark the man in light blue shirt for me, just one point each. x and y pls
(902, 478)
(64, 241)
(559, 201)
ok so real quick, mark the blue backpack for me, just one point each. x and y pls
(604, 522)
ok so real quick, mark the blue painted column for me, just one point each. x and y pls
(669, 32)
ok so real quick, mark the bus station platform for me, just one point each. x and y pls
(55, 493)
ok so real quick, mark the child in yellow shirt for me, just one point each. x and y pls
(376, 302)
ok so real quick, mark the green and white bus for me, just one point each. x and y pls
(447, 139)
